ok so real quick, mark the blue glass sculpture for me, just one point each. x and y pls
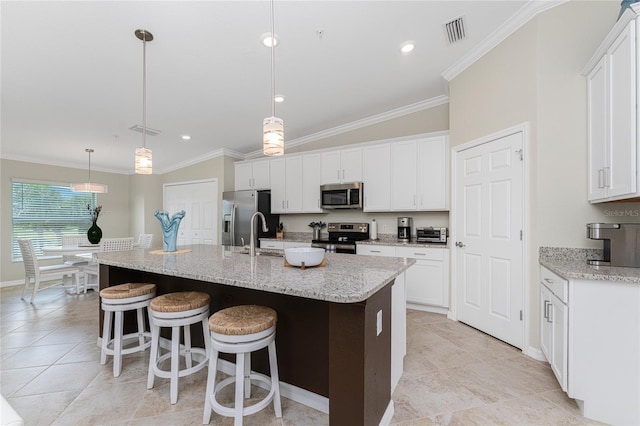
(169, 228)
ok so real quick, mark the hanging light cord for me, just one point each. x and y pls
(90, 151)
(144, 90)
(273, 68)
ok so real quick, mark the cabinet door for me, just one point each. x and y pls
(351, 164)
(425, 283)
(433, 174)
(376, 178)
(278, 179)
(597, 106)
(621, 176)
(293, 203)
(560, 324)
(403, 176)
(261, 174)
(371, 250)
(330, 171)
(546, 330)
(311, 183)
(243, 176)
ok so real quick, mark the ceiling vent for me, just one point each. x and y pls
(455, 30)
(151, 132)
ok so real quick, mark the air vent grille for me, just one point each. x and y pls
(150, 131)
(455, 30)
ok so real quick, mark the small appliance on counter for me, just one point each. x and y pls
(621, 243)
(404, 229)
(431, 235)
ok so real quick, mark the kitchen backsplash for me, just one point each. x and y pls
(387, 222)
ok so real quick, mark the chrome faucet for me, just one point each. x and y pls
(252, 243)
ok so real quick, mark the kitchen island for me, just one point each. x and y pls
(334, 322)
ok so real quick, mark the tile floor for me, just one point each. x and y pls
(50, 373)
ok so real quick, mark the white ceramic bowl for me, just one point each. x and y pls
(311, 256)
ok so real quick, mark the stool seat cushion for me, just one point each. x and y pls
(124, 291)
(241, 320)
(180, 302)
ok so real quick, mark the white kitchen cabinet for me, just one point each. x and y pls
(271, 244)
(376, 177)
(311, 183)
(376, 250)
(286, 184)
(252, 175)
(612, 92)
(404, 177)
(428, 278)
(341, 166)
(554, 329)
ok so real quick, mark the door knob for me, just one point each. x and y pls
(459, 244)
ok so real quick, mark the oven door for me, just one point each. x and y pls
(335, 247)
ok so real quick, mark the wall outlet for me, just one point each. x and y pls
(379, 322)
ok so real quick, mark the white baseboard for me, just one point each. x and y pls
(388, 414)
(428, 308)
(534, 353)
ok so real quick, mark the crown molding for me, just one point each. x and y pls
(358, 124)
(208, 156)
(521, 17)
(48, 162)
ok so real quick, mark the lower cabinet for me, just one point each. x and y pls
(427, 281)
(281, 245)
(554, 341)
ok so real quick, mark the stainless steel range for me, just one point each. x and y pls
(343, 237)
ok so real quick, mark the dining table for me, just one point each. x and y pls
(70, 250)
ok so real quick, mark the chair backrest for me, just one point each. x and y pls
(29, 258)
(144, 240)
(116, 244)
(74, 240)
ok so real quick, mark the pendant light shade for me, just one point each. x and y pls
(273, 127)
(97, 188)
(143, 159)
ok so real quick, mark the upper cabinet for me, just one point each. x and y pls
(311, 183)
(286, 184)
(252, 175)
(612, 92)
(340, 166)
(376, 171)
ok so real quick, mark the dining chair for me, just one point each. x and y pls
(32, 271)
(144, 240)
(106, 244)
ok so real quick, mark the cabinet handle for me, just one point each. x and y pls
(549, 280)
(375, 251)
(545, 314)
(548, 312)
(607, 177)
(338, 174)
(601, 178)
(287, 203)
(283, 204)
(419, 254)
(342, 174)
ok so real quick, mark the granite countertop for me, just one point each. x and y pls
(342, 280)
(571, 263)
(383, 240)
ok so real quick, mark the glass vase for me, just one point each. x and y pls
(169, 229)
(94, 234)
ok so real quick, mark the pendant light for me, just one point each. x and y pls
(97, 188)
(273, 127)
(143, 162)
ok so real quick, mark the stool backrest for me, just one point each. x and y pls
(144, 240)
(31, 268)
(116, 244)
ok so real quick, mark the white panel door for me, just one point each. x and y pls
(199, 200)
(489, 246)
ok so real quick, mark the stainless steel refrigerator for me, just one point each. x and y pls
(237, 209)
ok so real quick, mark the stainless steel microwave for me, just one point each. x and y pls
(341, 196)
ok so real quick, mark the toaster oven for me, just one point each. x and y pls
(431, 235)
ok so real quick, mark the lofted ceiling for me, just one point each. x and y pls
(71, 72)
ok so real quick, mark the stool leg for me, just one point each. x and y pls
(239, 389)
(275, 379)
(140, 316)
(153, 357)
(211, 384)
(247, 375)
(106, 336)
(175, 357)
(117, 345)
(187, 346)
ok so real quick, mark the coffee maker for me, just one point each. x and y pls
(404, 228)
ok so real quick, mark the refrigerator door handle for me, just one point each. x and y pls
(233, 224)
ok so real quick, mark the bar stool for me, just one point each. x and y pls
(241, 330)
(177, 310)
(119, 299)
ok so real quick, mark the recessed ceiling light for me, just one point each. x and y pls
(185, 137)
(279, 98)
(407, 46)
(267, 39)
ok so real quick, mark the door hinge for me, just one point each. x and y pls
(520, 314)
(521, 235)
(519, 152)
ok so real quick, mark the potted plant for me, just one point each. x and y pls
(317, 226)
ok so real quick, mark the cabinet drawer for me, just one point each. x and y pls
(272, 244)
(293, 244)
(422, 253)
(376, 250)
(558, 286)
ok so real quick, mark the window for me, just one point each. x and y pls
(43, 212)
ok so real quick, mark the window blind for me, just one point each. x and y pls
(44, 212)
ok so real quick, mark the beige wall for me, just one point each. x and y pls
(145, 198)
(534, 77)
(114, 219)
